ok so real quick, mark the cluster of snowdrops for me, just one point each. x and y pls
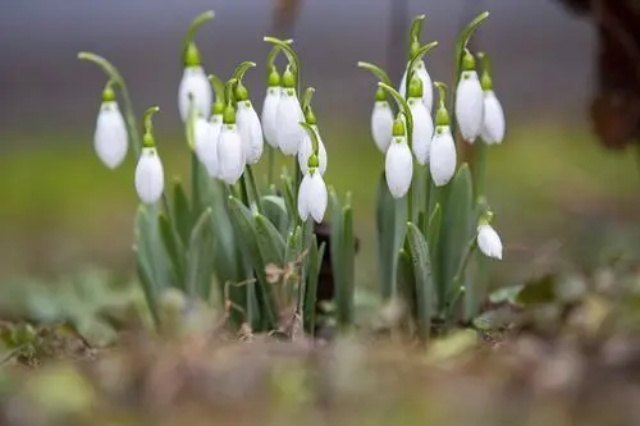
(227, 137)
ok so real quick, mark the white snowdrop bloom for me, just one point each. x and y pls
(306, 149)
(194, 82)
(398, 167)
(442, 156)
(289, 133)
(269, 113)
(469, 106)
(312, 196)
(231, 159)
(149, 177)
(382, 125)
(422, 130)
(493, 126)
(421, 71)
(207, 134)
(489, 241)
(250, 131)
(110, 139)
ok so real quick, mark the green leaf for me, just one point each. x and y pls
(174, 249)
(275, 210)
(421, 263)
(456, 232)
(182, 216)
(342, 257)
(433, 239)
(200, 257)
(243, 223)
(311, 289)
(289, 198)
(390, 220)
(406, 280)
(270, 243)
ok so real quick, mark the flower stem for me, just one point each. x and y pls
(254, 188)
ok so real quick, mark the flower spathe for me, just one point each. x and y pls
(398, 167)
(110, 139)
(312, 196)
(422, 130)
(194, 82)
(288, 118)
(231, 159)
(489, 241)
(250, 131)
(469, 106)
(442, 156)
(493, 127)
(306, 150)
(381, 125)
(269, 113)
(149, 176)
(207, 134)
(421, 71)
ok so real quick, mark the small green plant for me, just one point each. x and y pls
(249, 247)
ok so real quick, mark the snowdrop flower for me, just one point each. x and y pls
(149, 175)
(110, 139)
(312, 195)
(248, 126)
(420, 70)
(207, 134)
(270, 108)
(398, 164)
(288, 116)
(231, 160)
(469, 100)
(488, 239)
(442, 152)
(306, 150)
(194, 81)
(422, 123)
(381, 122)
(493, 125)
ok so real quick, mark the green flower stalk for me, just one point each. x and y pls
(493, 124)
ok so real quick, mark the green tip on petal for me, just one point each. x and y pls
(217, 108)
(108, 94)
(468, 61)
(191, 56)
(241, 92)
(288, 79)
(229, 116)
(309, 116)
(148, 141)
(398, 127)
(486, 218)
(415, 87)
(485, 80)
(380, 95)
(313, 162)
(273, 80)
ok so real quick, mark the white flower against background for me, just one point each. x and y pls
(288, 118)
(110, 139)
(149, 176)
(489, 241)
(398, 167)
(442, 156)
(469, 106)
(207, 134)
(306, 149)
(493, 126)
(422, 130)
(250, 131)
(194, 82)
(231, 159)
(269, 113)
(382, 125)
(312, 196)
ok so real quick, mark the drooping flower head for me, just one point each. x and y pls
(381, 121)
(207, 132)
(306, 148)
(288, 116)
(442, 152)
(312, 194)
(110, 139)
(194, 81)
(422, 122)
(247, 119)
(418, 67)
(270, 107)
(493, 124)
(149, 175)
(488, 239)
(469, 100)
(398, 165)
(231, 160)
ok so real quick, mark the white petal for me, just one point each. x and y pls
(427, 85)
(469, 106)
(422, 130)
(269, 112)
(303, 195)
(382, 125)
(250, 132)
(194, 81)
(317, 197)
(207, 134)
(230, 154)
(289, 133)
(489, 241)
(442, 157)
(110, 138)
(306, 149)
(494, 124)
(398, 167)
(149, 177)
